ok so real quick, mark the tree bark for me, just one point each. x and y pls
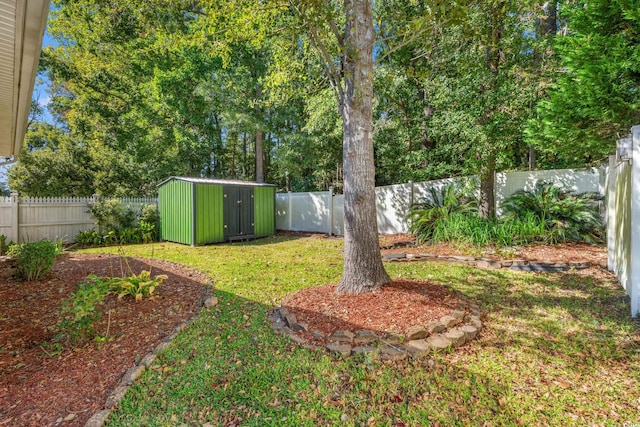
(259, 149)
(363, 268)
(487, 202)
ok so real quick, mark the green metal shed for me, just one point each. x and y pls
(197, 211)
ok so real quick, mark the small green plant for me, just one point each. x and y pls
(137, 286)
(81, 311)
(89, 237)
(428, 216)
(4, 246)
(35, 259)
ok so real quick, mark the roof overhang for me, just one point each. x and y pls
(22, 25)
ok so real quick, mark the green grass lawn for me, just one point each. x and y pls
(556, 349)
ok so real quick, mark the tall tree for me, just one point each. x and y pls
(351, 74)
(596, 95)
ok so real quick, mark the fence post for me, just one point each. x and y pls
(289, 213)
(330, 210)
(634, 286)
(15, 222)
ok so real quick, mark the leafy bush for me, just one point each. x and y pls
(118, 224)
(4, 245)
(564, 216)
(80, 312)
(89, 237)
(428, 217)
(110, 214)
(34, 260)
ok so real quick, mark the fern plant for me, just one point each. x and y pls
(564, 215)
(426, 217)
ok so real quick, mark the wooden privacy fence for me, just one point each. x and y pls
(29, 219)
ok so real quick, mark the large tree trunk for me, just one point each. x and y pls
(259, 156)
(259, 149)
(363, 268)
(487, 201)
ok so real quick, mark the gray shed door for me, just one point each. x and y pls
(238, 211)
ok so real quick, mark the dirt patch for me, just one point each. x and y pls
(39, 386)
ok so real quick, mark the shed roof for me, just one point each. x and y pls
(216, 181)
(22, 24)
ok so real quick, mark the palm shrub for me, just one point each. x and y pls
(565, 216)
(428, 218)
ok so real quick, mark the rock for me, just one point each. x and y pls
(517, 262)
(394, 256)
(211, 302)
(470, 332)
(489, 264)
(581, 265)
(391, 353)
(416, 333)
(461, 258)
(418, 348)
(458, 314)
(339, 348)
(456, 336)
(475, 321)
(432, 256)
(435, 327)
(342, 335)
(297, 339)
(506, 263)
(317, 335)
(69, 417)
(300, 327)
(438, 342)
(290, 319)
(148, 359)
(449, 321)
(115, 396)
(391, 339)
(364, 336)
(132, 374)
(98, 419)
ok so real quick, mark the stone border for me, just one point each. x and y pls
(489, 263)
(99, 418)
(448, 332)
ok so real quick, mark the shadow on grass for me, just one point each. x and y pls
(230, 368)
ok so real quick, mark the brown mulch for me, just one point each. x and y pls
(393, 308)
(40, 387)
(396, 307)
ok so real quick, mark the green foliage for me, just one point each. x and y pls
(111, 214)
(4, 245)
(564, 216)
(88, 237)
(428, 217)
(594, 97)
(35, 259)
(80, 311)
(137, 286)
(120, 224)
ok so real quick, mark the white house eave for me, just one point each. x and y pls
(22, 25)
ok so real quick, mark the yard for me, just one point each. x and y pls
(556, 349)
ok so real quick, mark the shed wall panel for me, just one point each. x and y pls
(176, 212)
(264, 211)
(209, 214)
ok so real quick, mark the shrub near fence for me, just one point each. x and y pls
(29, 219)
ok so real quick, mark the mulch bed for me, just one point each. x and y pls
(40, 387)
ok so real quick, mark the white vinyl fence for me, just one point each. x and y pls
(29, 219)
(323, 211)
(623, 218)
